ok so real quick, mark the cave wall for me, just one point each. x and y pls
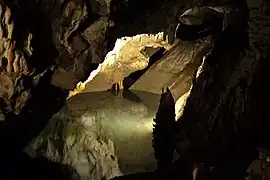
(66, 37)
(38, 39)
(224, 118)
(20, 71)
(71, 38)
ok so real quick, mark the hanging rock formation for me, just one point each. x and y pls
(47, 47)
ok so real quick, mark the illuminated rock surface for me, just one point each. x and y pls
(96, 131)
(225, 113)
(174, 70)
(126, 57)
(119, 127)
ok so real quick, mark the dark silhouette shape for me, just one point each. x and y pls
(18, 130)
(162, 131)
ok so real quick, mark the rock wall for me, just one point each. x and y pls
(66, 37)
(225, 113)
(40, 37)
(21, 48)
(80, 37)
(77, 141)
(69, 38)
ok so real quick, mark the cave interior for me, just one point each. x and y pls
(132, 89)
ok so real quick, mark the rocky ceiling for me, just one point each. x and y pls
(47, 47)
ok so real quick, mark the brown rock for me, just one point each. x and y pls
(100, 7)
(6, 87)
(79, 44)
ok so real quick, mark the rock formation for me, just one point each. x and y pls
(100, 135)
(126, 57)
(163, 131)
(77, 142)
(47, 47)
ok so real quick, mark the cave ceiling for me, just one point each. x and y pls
(71, 38)
(47, 48)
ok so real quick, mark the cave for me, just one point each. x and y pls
(131, 89)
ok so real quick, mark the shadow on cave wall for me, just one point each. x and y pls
(229, 151)
(17, 130)
(260, 100)
(28, 18)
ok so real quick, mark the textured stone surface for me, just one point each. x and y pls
(73, 35)
(96, 131)
(226, 100)
(228, 96)
(126, 58)
(19, 70)
(175, 69)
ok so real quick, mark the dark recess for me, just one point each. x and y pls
(18, 130)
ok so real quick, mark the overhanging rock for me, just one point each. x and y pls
(175, 70)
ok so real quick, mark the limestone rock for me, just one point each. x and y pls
(125, 58)
(97, 133)
(77, 142)
(18, 63)
(79, 33)
(175, 69)
(95, 34)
